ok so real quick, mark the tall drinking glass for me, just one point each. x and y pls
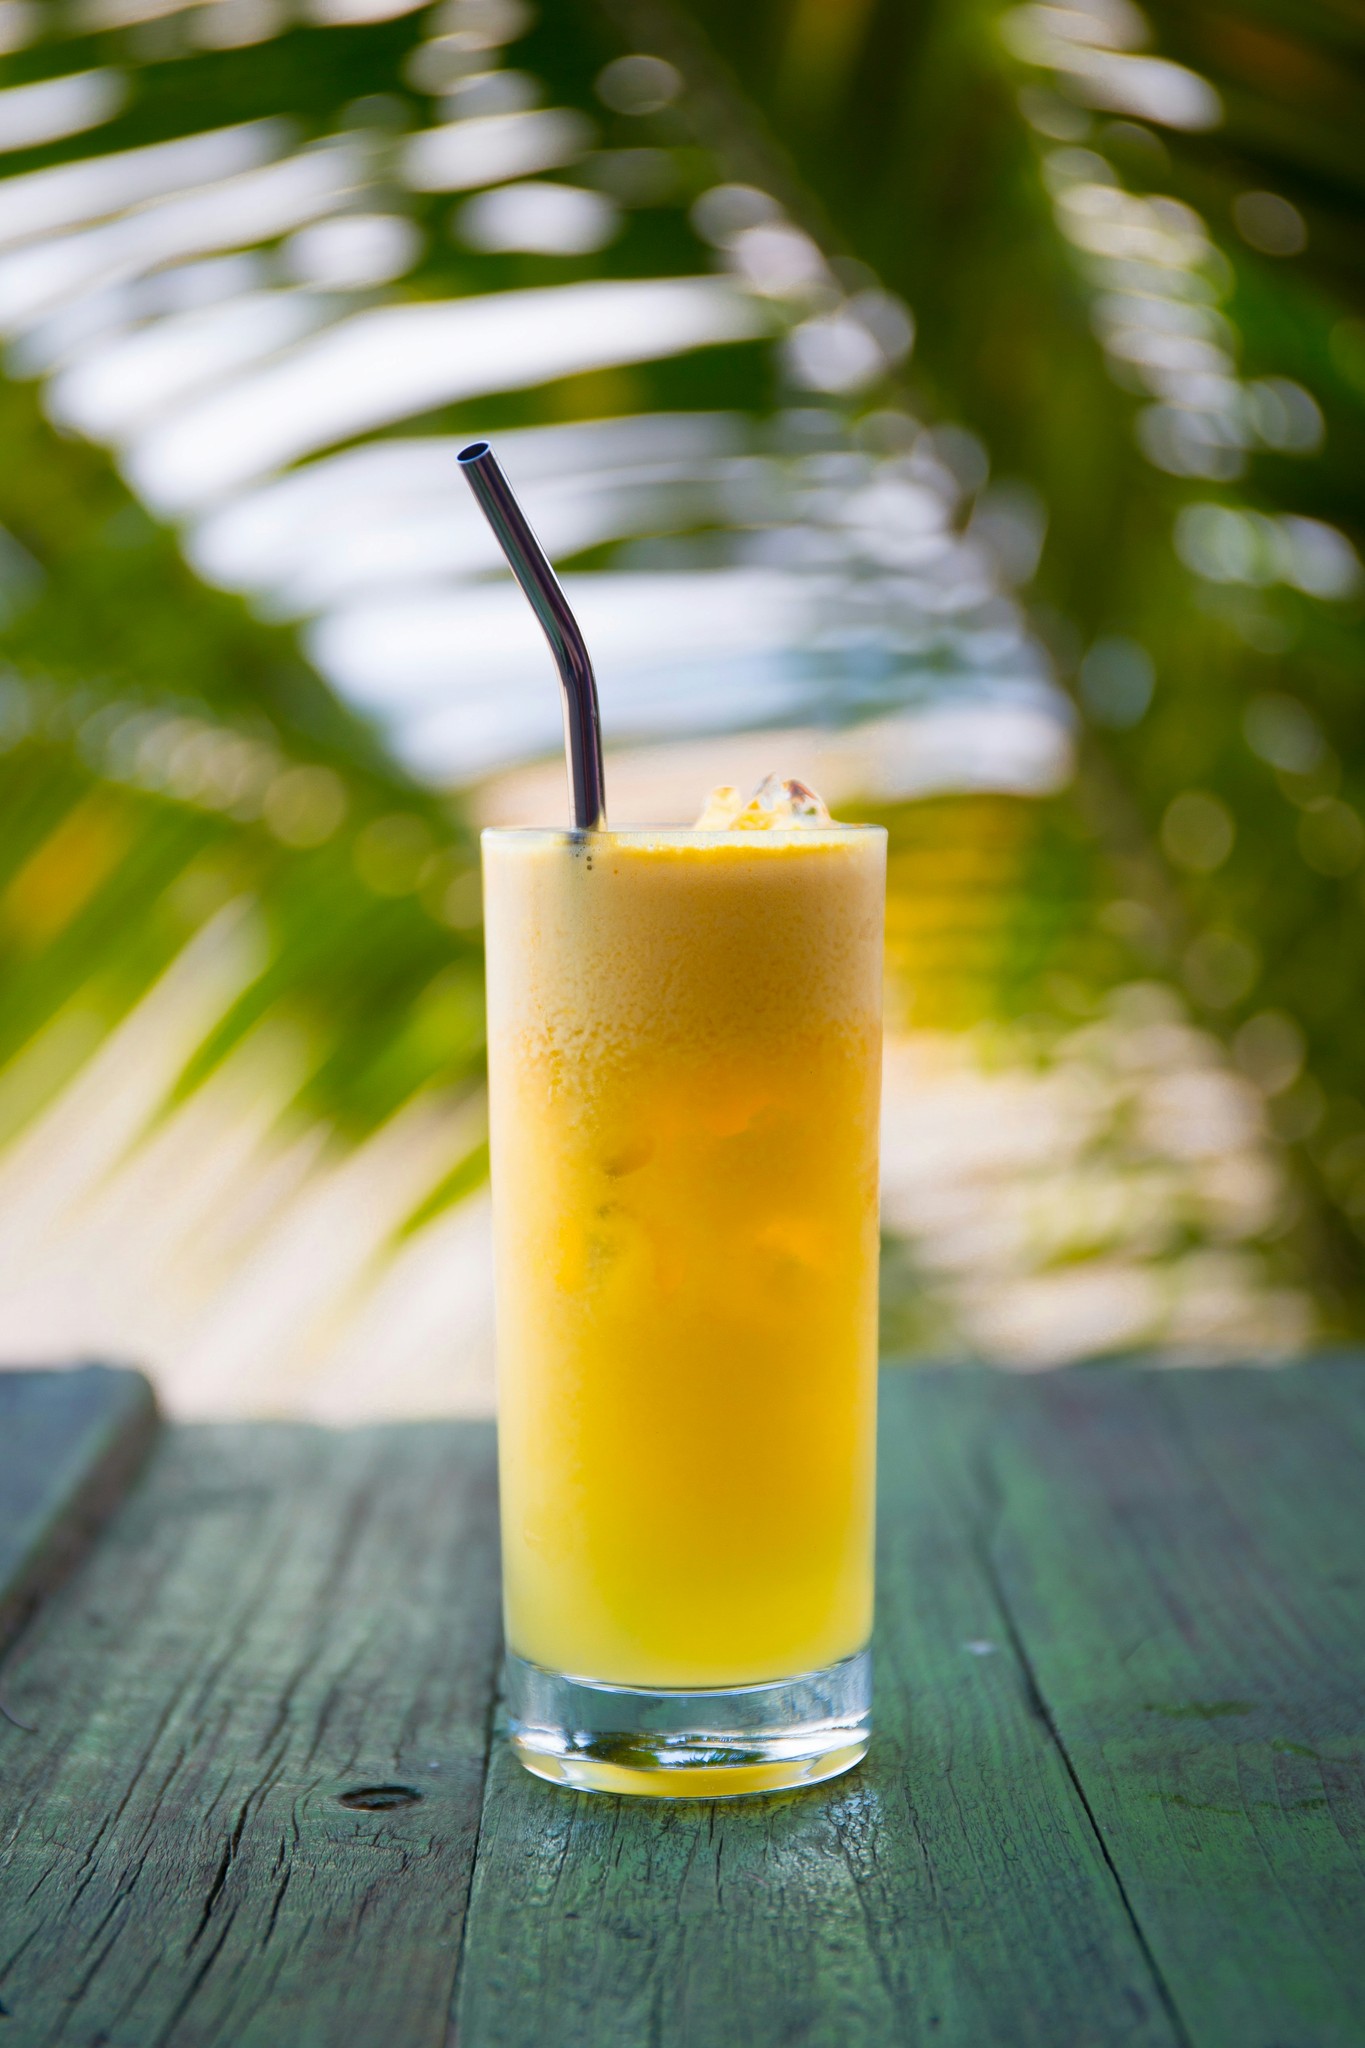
(685, 1064)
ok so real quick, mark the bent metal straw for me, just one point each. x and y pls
(531, 566)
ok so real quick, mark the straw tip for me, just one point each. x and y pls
(474, 452)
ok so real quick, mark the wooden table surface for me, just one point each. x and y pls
(259, 1799)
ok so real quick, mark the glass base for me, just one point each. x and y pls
(721, 1744)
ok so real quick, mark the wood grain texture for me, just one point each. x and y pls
(951, 1891)
(70, 1443)
(1115, 1796)
(1184, 1558)
(249, 1813)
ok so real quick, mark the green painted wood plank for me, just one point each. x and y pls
(70, 1443)
(951, 1891)
(1182, 1554)
(248, 1816)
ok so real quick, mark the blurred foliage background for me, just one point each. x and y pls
(998, 460)
(953, 148)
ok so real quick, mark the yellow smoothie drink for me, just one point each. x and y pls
(685, 1054)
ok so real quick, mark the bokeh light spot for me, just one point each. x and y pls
(1269, 1048)
(1269, 223)
(1282, 732)
(1331, 836)
(304, 806)
(538, 218)
(1220, 969)
(1117, 681)
(1198, 831)
(639, 85)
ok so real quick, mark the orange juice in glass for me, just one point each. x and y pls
(685, 1057)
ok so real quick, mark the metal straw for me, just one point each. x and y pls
(530, 565)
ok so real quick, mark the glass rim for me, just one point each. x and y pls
(686, 835)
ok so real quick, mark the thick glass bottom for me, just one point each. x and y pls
(726, 1743)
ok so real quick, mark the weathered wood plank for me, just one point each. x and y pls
(248, 1816)
(1110, 1601)
(950, 1892)
(1182, 1555)
(70, 1443)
